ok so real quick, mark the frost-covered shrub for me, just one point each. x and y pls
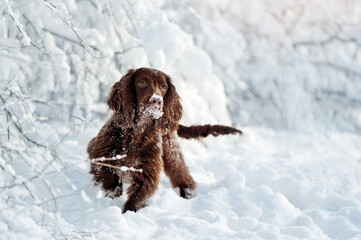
(285, 64)
(58, 60)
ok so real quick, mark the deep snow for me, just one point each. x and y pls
(265, 185)
(286, 72)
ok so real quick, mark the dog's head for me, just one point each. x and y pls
(146, 92)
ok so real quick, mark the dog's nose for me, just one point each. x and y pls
(156, 100)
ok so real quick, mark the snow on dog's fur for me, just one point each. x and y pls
(144, 127)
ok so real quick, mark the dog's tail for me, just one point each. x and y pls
(205, 130)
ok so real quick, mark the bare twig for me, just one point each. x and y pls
(135, 30)
(338, 67)
(81, 42)
(72, 115)
(100, 162)
(335, 37)
(69, 39)
(114, 158)
(18, 127)
(121, 168)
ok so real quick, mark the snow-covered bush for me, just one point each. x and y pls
(58, 61)
(286, 64)
(274, 65)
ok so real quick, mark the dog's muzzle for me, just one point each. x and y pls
(155, 106)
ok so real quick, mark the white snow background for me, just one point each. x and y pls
(287, 72)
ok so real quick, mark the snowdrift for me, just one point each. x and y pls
(286, 72)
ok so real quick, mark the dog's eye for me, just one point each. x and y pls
(164, 87)
(142, 83)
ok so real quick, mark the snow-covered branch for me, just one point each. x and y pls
(286, 65)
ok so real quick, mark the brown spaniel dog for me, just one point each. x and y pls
(141, 137)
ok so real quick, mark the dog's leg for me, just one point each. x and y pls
(145, 183)
(142, 188)
(108, 179)
(102, 146)
(176, 169)
(138, 194)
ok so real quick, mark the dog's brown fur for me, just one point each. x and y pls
(149, 141)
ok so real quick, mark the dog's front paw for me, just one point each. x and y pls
(186, 192)
(130, 206)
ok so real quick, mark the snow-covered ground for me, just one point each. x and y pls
(286, 72)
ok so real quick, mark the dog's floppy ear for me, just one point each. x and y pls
(121, 97)
(172, 107)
